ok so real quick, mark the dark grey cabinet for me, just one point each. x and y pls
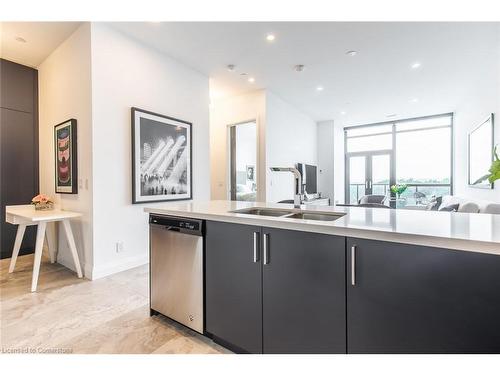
(303, 292)
(233, 286)
(18, 148)
(274, 291)
(416, 299)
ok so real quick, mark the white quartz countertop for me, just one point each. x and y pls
(452, 230)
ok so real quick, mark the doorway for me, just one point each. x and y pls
(368, 173)
(243, 161)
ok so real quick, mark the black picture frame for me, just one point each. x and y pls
(138, 195)
(250, 173)
(487, 185)
(61, 186)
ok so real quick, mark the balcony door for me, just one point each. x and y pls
(368, 173)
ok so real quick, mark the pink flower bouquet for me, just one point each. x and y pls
(42, 202)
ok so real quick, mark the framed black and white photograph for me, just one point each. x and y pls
(161, 158)
(481, 153)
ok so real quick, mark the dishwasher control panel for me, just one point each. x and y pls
(183, 225)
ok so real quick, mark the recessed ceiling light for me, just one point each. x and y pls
(299, 68)
(351, 53)
(20, 39)
(392, 115)
(319, 88)
(251, 80)
(413, 100)
(231, 67)
(270, 37)
(343, 113)
(416, 65)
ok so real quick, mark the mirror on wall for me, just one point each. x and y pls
(243, 161)
(481, 153)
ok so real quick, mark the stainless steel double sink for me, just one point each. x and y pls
(290, 213)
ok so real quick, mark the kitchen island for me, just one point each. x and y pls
(370, 281)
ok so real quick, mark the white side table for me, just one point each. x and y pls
(25, 215)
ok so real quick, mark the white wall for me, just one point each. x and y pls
(64, 93)
(325, 151)
(286, 136)
(227, 111)
(338, 163)
(483, 100)
(126, 73)
(291, 137)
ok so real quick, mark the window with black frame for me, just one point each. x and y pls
(416, 153)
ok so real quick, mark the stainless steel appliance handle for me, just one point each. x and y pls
(353, 265)
(255, 247)
(266, 250)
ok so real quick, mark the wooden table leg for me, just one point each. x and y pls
(72, 246)
(40, 234)
(17, 245)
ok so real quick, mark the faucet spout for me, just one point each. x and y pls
(298, 188)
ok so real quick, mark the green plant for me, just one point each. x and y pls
(494, 171)
(398, 189)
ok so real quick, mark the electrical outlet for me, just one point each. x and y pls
(119, 246)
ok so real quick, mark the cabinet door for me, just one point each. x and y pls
(415, 299)
(233, 285)
(303, 292)
(19, 88)
(18, 174)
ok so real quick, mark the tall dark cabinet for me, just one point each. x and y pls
(18, 147)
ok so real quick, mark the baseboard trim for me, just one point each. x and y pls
(111, 268)
(68, 263)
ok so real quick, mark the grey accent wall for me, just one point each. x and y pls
(18, 147)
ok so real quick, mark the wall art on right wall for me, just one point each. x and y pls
(481, 154)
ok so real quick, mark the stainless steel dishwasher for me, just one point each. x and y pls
(176, 269)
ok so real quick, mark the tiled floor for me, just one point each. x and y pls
(109, 315)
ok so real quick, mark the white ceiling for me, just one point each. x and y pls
(375, 83)
(41, 39)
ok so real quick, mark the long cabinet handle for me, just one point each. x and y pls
(353, 265)
(255, 247)
(266, 250)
